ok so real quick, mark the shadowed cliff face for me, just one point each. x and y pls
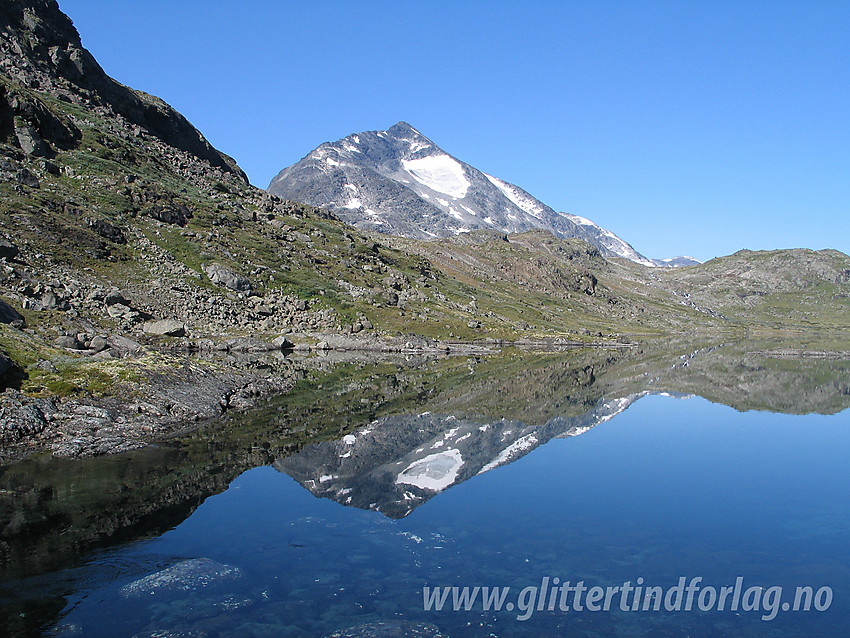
(386, 436)
(40, 49)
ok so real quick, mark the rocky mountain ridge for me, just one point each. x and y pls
(400, 182)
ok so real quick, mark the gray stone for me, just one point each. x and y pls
(52, 301)
(51, 168)
(114, 297)
(120, 311)
(107, 231)
(282, 342)
(45, 365)
(165, 327)
(23, 421)
(124, 345)
(26, 178)
(98, 343)
(223, 276)
(30, 141)
(68, 342)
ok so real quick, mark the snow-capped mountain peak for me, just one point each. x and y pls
(400, 182)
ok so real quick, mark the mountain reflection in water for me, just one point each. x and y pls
(384, 435)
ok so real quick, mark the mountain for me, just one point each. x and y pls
(677, 262)
(400, 182)
(397, 463)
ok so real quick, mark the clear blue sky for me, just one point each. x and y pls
(693, 128)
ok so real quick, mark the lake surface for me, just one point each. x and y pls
(599, 469)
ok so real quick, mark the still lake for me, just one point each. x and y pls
(589, 470)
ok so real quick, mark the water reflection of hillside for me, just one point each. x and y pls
(52, 510)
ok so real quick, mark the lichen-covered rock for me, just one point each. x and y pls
(20, 416)
(223, 276)
(165, 328)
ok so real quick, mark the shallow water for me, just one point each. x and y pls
(642, 486)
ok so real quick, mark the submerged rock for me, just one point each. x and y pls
(390, 629)
(187, 575)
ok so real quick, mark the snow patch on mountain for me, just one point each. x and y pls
(440, 173)
(520, 445)
(610, 241)
(435, 472)
(523, 202)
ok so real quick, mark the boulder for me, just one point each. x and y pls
(107, 231)
(10, 315)
(8, 250)
(6, 363)
(68, 342)
(123, 345)
(223, 276)
(30, 141)
(98, 343)
(121, 311)
(282, 343)
(176, 214)
(52, 301)
(114, 297)
(27, 178)
(165, 328)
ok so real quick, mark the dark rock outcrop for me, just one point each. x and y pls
(10, 315)
(8, 250)
(40, 48)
